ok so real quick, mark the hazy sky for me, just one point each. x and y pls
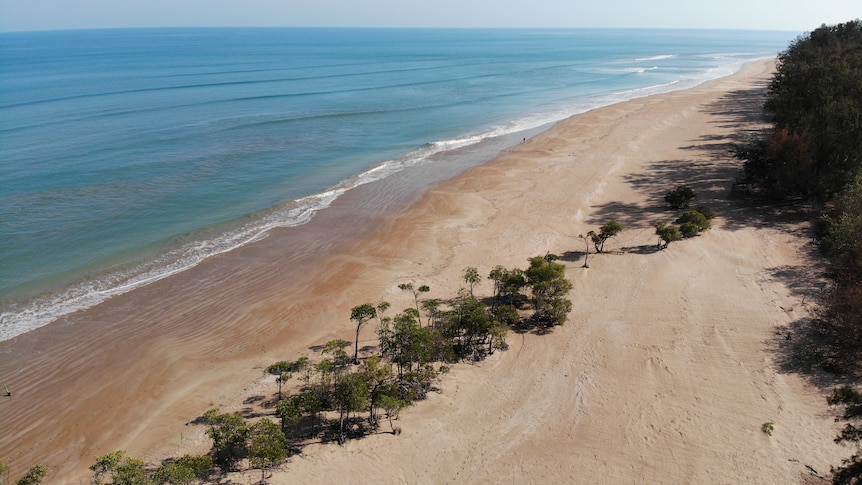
(795, 15)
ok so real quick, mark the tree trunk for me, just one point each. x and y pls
(356, 349)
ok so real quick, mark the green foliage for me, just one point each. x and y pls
(228, 432)
(667, 234)
(404, 342)
(361, 314)
(289, 410)
(815, 99)
(392, 405)
(266, 444)
(508, 284)
(173, 474)
(694, 221)
(120, 469)
(680, 197)
(768, 427)
(547, 280)
(335, 348)
(607, 231)
(472, 278)
(34, 475)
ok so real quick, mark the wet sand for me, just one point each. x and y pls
(664, 373)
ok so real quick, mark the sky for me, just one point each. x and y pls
(790, 15)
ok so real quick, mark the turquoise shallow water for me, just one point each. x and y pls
(127, 155)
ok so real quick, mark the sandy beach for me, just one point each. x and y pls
(665, 372)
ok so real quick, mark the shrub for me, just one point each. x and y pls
(680, 197)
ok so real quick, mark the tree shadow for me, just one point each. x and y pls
(630, 215)
(642, 249)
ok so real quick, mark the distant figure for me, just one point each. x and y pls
(8, 392)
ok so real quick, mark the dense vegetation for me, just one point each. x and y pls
(343, 396)
(813, 152)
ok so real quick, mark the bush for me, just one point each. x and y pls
(680, 197)
(694, 221)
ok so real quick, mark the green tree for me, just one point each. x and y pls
(351, 395)
(183, 470)
(361, 314)
(814, 101)
(667, 234)
(34, 475)
(547, 281)
(265, 446)
(415, 291)
(381, 309)
(282, 370)
(4, 470)
(379, 381)
(336, 348)
(607, 231)
(472, 278)
(121, 469)
(694, 221)
(680, 197)
(228, 432)
(508, 284)
(392, 405)
(289, 410)
(404, 342)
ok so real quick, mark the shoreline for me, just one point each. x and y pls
(197, 340)
(58, 302)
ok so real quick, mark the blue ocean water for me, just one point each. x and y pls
(128, 155)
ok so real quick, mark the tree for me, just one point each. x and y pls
(289, 410)
(34, 475)
(351, 395)
(472, 278)
(281, 369)
(361, 314)
(404, 342)
(392, 405)
(694, 221)
(173, 474)
(415, 292)
(381, 309)
(4, 470)
(266, 446)
(228, 432)
(607, 231)
(379, 381)
(547, 280)
(851, 399)
(814, 100)
(336, 348)
(667, 233)
(184, 470)
(680, 197)
(121, 469)
(508, 285)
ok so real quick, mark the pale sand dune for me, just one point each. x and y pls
(664, 373)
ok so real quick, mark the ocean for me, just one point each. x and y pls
(130, 155)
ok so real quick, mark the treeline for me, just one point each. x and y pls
(341, 397)
(813, 154)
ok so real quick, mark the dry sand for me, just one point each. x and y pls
(665, 372)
